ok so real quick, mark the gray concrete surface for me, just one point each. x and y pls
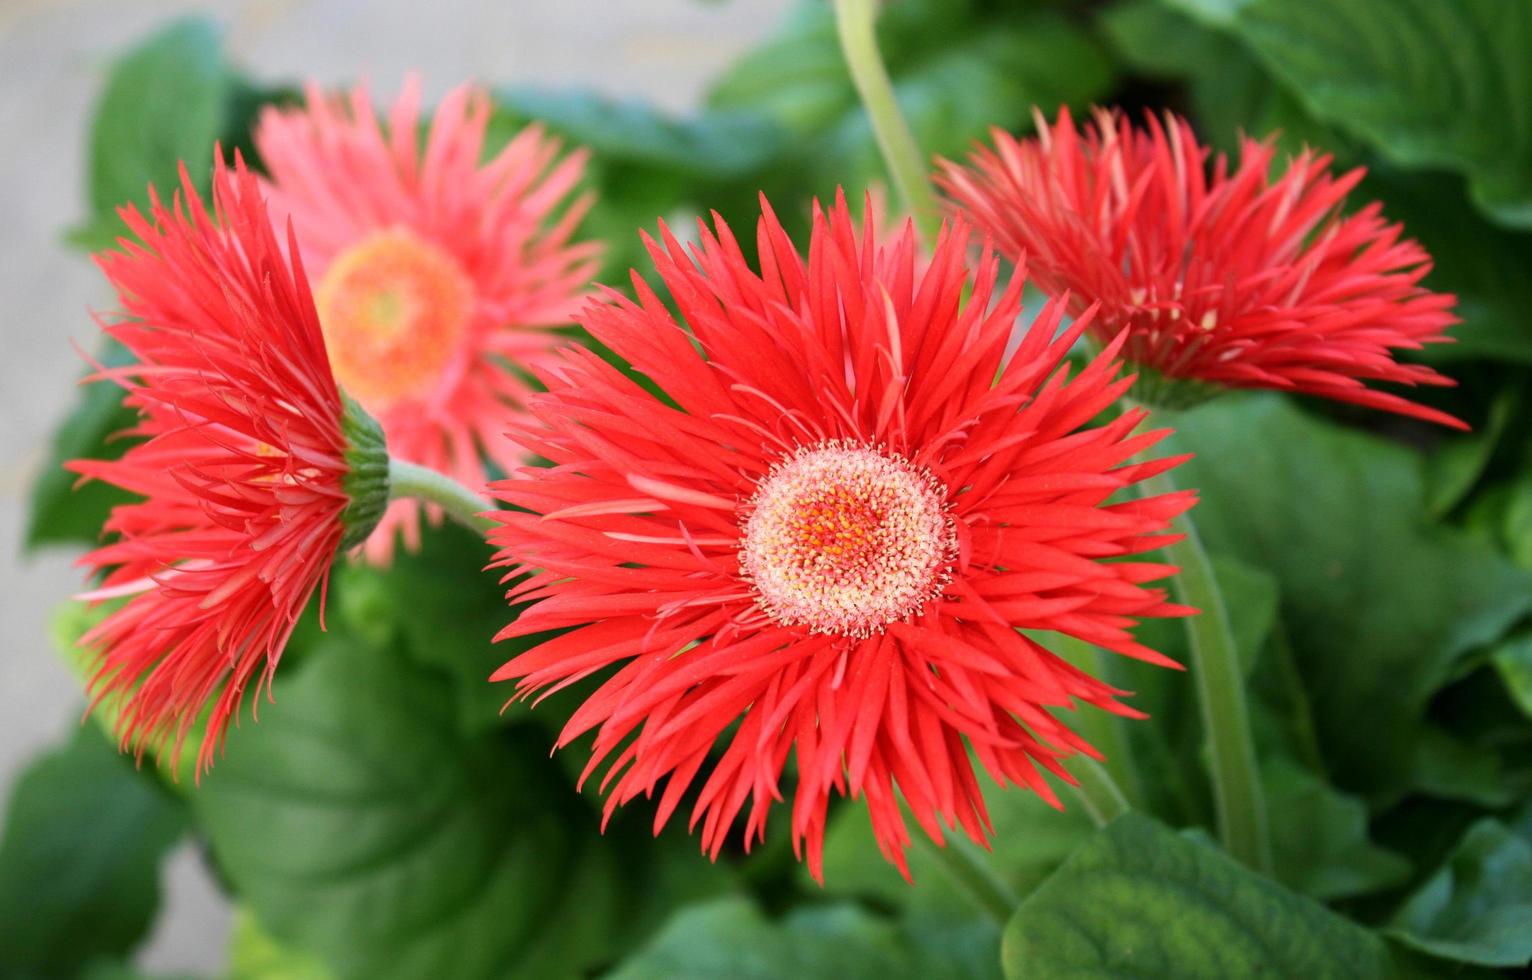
(52, 54)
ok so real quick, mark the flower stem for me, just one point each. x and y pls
(1103, 729)
(855, 21)
(973, 876)
(460, 503)
(1102, 798)
(1237, 794)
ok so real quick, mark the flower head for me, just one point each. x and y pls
(435, 271)
(1241, 279)
(254, 468)
(827, 537)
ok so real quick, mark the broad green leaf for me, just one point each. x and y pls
(165, 101)
(255, 955)
(80, 860)
(1431, 84)
(445, 609)
(359, 823)
(1512, 660)
(1138, 900)
(1452, 768)
(730, 938)
(1517, 527)
(61, 513)
(1319, 838)
(1378, 603)
(1478, 907)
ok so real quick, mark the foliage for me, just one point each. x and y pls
(389, 816)
(79, 862)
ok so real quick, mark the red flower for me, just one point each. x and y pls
(1241, 280)
(826, 536)
(436, 270)
(253, 471)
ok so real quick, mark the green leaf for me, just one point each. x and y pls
(1138, 900)
(165, 101)
(255, 955)
(1513, 662)
(359, 822)
(80, 860)
(731, 938)
(1379, 604)
(1478, 907)
(1516, 528)
(1431, 85)
(443, 607)
(1451, 768)
(59, 512)
(1319, 838)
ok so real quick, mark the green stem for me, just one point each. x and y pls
(460, 503)
(1220, 682)
(855, 21)
(973, 876)
(1101, 796)
(1104, 730)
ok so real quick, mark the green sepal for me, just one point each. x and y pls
(366, 480)
(1154, 389)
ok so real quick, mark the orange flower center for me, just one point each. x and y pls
(393, 309)
(843, 538)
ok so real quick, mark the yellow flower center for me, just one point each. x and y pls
(393, 308)
(843, 538)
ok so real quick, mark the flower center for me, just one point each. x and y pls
(843, 538)
(392, 308)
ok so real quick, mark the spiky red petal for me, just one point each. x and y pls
(242, 466)
(1235, 277)
(632, 537)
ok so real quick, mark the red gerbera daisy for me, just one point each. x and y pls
(827, 537)
(435, 271)
(1235, 279)
(255, 469)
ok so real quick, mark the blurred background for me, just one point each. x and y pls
(53, 57)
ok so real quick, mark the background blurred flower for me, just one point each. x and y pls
(439, 275)
(254, 468)
(1244, 279)
(829, 534)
